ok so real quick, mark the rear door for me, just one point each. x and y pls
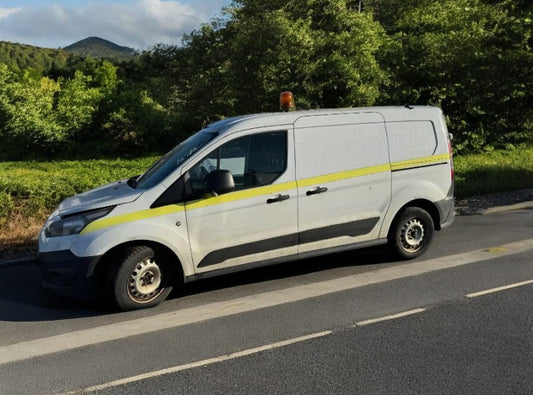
(343, 178)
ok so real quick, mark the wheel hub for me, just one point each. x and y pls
(145, 280)
(412, 234)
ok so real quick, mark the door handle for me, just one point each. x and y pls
(316, 191)
(278, 198)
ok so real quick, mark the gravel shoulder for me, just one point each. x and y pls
(486, 204)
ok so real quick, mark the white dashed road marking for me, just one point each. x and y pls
(499, 289)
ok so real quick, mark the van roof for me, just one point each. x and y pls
(389, 113)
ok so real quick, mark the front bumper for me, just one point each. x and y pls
(69, 275)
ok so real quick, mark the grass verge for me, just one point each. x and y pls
(491, 172)
(29, 192)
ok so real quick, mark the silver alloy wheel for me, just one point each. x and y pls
(145, 281)
(412, 235)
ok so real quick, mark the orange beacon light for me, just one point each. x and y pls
(286, 101)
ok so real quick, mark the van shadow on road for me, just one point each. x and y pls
(22, 299)
(320, 265)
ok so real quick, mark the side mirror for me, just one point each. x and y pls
(220, 182)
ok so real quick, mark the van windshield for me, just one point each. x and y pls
(168, 163)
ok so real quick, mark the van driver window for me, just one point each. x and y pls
(253, 160)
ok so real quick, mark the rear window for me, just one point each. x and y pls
(411, 140)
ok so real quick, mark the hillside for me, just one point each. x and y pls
(20, 57)
(99, 48)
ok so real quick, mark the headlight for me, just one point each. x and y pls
(74, 224)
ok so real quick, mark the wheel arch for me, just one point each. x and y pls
(426, 205)
(117, 252)
(422, 203)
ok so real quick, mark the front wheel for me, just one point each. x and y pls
(139, 280)
(411, 233)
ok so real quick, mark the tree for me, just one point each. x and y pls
(41, 116)
(470, 57)
(324, 51)
(76, 104)
(30, 113)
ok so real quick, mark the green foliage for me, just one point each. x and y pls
(20, 57)
(76, 103)
(323, 51)
(136, 121)
(470, 57)
(28, 110)
(39, 114)
(106, 78)
(89, 111)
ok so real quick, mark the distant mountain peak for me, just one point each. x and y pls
(97, 47)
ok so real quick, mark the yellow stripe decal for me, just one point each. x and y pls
(120, 219)
(429, 160)
(343, 175)
(260, 191)
(240, 195)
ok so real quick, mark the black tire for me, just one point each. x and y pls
(140, 280)
(411, 233)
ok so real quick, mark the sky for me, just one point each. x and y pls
(138, 24)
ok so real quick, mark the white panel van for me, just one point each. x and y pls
(256, 190)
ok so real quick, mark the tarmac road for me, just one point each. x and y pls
(353, 322)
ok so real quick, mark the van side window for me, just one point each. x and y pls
(410, 140)
(253, 160)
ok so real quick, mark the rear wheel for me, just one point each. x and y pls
(411, 233)
(141, 279)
